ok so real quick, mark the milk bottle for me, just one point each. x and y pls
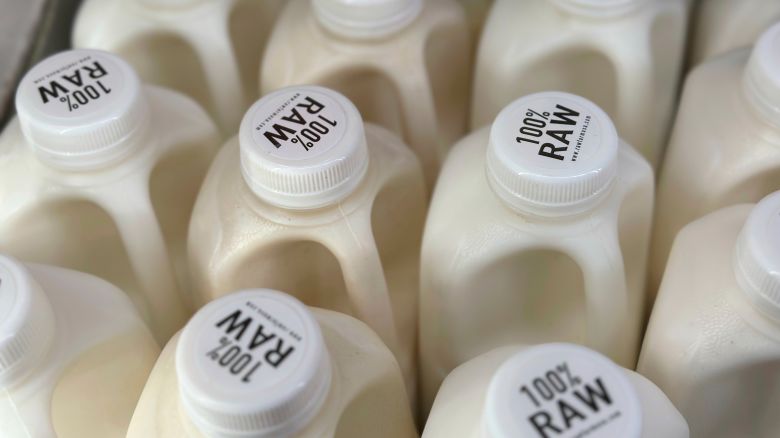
(207, 49)
(476, 11)
(99, 174)
(537, 232)
(550, 390)
(74, 354)
(724, 25)
(258, 363)
(404, 63)
(624, 55)
(713, 343)
(309, 200)
(725, 146)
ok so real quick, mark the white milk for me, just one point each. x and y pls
(723, 25)
(624, 55)
(310, 201)
(207, 49)
(713, 343)
(74, 354)
(99, 174)
(531, 240)
(550, 390)
(258, 363)
(725, 146)
(406, 64)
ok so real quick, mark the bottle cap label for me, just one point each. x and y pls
(251, 345)
(562, 390)
(298, 125)
(550, 132)
(74, 84)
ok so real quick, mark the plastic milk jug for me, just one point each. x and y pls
(624, 55)
(537, 232)
(207, 49)
(548, 391)
(725, 146)
(309, 200)
(258, 363)
(406, 64)
(99, 174)
(724, 25)
(476, 12)
(713, 342)
(74, 354)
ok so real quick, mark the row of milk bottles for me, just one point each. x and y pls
(100, 174)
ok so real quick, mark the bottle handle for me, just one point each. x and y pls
(217, 59)
(416, 98)
(365, 280)
(609, 328)
(143, 239)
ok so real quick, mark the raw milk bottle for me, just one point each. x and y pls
(725, 146)
(99, 173)
(74, 354)
(310, 201)
(537, 232)
(624, 55)
(207, 49)
(723, 25)
(406, 64)
(550, 390)
(713, 342)
(258, 363)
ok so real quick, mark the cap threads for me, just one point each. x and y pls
(761, 79)
(366, 18)
(757, 255)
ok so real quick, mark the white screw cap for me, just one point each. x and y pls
(757, 255)
(598, 8)
(303, 147)
(366, 18)
(552, 154)
(81, 108)
(26, 322)
(252, 363)
(762, 75)
(529, 391)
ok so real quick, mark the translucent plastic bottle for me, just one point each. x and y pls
(309, 200)
(537, 232)
(713, 342)
(723, 25)
(725, 146)
(99, 174)
(258, 363)
(74, 354)
(406, 64)
(624, 55)
(207, 49)
(547, 391)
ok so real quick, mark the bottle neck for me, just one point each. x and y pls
(598, 8)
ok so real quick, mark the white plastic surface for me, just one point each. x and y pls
(757, 255)
(252, 363)
(623, 55)
(93, 370)
(552, 154)
(598, 8)
(82, 108)
(531, 389)
(579, 393)
(303, 147)
(366, 395)
(26, 323)
(762, 75)
(366, 18)
(492, 275)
